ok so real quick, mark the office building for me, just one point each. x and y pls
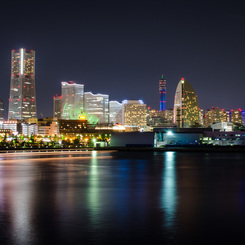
(236, 116)
(72, 101)
(216, 115)
(115, 112)
(162, 93)
(1, 110)
(22, 99)
(57, 100)
(134, 112)
(186, 113)
(13, 125)
(96, 108)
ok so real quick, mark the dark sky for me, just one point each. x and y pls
(121, 48)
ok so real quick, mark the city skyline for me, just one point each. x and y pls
(122, 49)
(23, 68)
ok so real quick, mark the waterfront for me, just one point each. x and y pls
(122, 198)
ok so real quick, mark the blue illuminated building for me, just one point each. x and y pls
(162, 92)
(243, 117)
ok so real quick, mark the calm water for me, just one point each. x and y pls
(122, 198)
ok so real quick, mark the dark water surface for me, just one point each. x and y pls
(122, 198)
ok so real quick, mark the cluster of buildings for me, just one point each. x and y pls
(90, 116)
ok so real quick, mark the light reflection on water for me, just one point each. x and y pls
(93, 191)
(169, 191)
(122, 198)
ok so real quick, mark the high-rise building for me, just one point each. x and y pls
(236, 116)
(22, 99)
(186, 113)
(134, 113)
(216, 115)
(162, 93)
(96, 107)
(57, 106)
(115, 112)
(1, 110)
(72, 102)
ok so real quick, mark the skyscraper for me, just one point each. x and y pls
(57, 107)
(236, 116)
(22, 99)
(186, 113)
(162, 93)
(115, 109)
(96, 107)
(1, 110)
(72, 104)
(134, 112)
(215, 115)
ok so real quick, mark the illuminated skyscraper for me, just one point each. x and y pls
(134, 112)
(96, 107)
(72, 104)
(186, 113)
(162, 93)
(236, 116)
(22, 99)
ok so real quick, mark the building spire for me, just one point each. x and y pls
(162, 93)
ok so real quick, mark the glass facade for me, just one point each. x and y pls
(22, 99)
(115, 109)
(186, 113)
(96, 107)
(72, 102)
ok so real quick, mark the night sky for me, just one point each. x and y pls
(121, 48)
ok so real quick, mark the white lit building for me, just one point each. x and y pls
(97, 107)
(72, 103)
(13, 125)
(116, 115)
(29, 129)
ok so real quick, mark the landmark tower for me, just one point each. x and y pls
(22, 98)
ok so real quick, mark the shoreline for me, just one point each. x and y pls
(179, 149)
(124, 148)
